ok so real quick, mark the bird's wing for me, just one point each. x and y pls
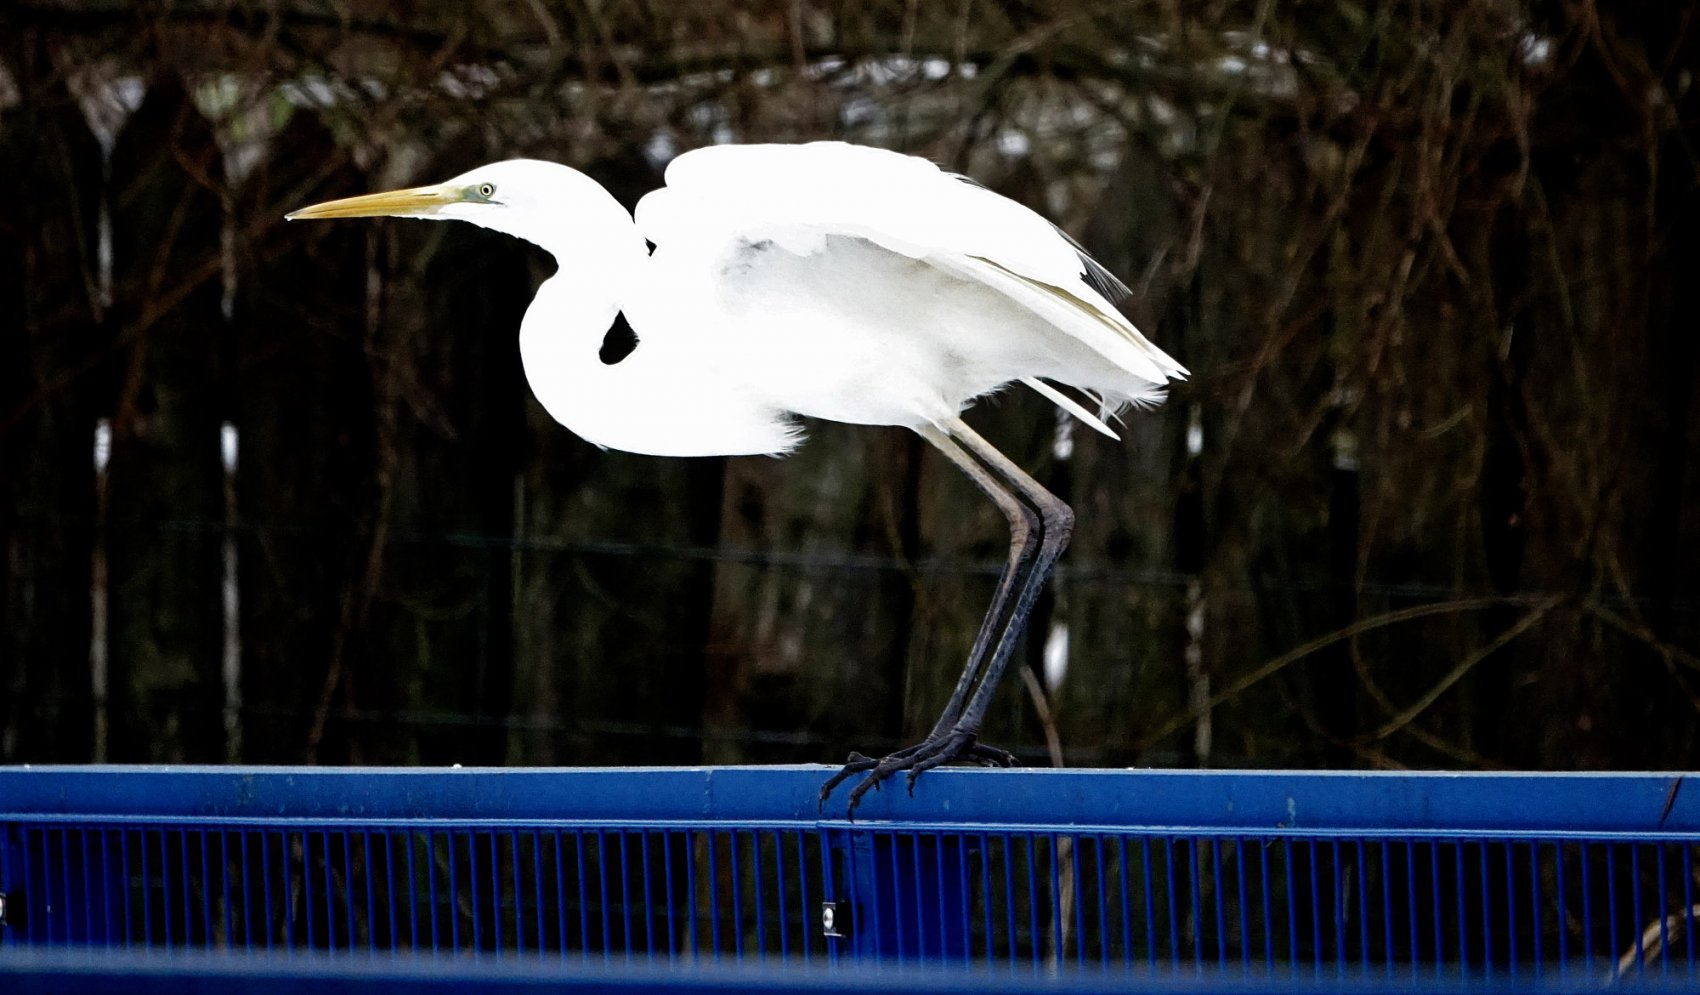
(798, 195)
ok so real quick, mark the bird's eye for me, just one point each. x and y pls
(486, 190)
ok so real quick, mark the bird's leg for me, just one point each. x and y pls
(1024, 526)
(960, 742)
(1057, 525)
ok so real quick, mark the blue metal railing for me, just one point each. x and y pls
(1374, 879)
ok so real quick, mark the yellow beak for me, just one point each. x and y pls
(412, 202)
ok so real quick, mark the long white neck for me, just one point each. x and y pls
(656, 400)
(571, 215)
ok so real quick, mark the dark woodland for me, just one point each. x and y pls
(278, 493)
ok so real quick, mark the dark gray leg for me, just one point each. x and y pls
(1027, 573)
(1023, 528)
(1057, 526)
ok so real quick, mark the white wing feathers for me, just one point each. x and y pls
(797, 195)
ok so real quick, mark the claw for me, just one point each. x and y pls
(956, 746)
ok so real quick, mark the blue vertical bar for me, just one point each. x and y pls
(371, 899)
(1582, 869)
(1487, 915)
(40, 926)
(409, 838)
(779, 888)
(625, 896)
(206, 894)
(1688, 901)
(1562, 919)
(737, 895)
(1386, 908)
(1411, 902)
(1127, 900)
(1195, 906)
(1292, 902)
(602, 894)
(85, 875)
(938, 888)
(537, 890)
(189, 902)
(1611, 896)
(1033, 900)
(802, 896)
(966, 899)
(583, 894)
(1664, 920)
(1318, 938)
(306, 889)
(519, 892)
(756, 891)
(713, 897)
(667, 878)
(1363, 908)
(495, 839)
(28, 878)
(330, 895)
(224, 881)
(1635, 907)
(266, 881)
(1077, 851)
(125, 835)
(87, 867)
(1510, 912)
(391, 879)
(1103, 914)
(986, 891)
(472, 886)
(1239, 881)
(1216, 894)
(1268, 917)
(121, 892)
(347, 837)
(431, 862)
(147, 888)
(1009, 893)
(648, 900)
(540, 908)
(247, 874)
(451, 885)
(1057, 932)
(560, 893)
(1534, 849)
(1438, 912)
(1463, 909)
(164, 880)
(898, 935)
(1337, 891)
(1174, 916)
(1316, 934)
(64, 909)
(695, 934)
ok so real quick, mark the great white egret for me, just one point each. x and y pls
(825, 280)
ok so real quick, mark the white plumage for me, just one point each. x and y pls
(825, 280)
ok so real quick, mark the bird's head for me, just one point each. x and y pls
(546, 203)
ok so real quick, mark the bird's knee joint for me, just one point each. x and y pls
(1059, 520)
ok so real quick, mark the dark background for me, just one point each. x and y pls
(1434, 266)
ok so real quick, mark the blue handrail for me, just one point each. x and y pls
(1522, 804)
(1259, 878)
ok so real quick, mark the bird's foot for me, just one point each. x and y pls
(956, 746)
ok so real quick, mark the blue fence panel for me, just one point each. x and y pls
(1414, 880)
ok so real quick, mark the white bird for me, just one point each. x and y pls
(825, 280)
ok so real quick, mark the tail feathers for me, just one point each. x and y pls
(1072, 406)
